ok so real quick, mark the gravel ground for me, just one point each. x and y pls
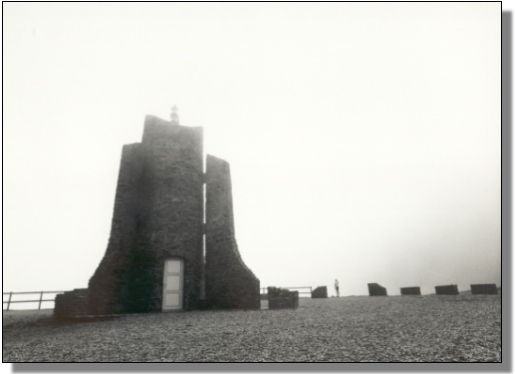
(461, 328)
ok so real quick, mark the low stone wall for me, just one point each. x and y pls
(451, 289)
(71, 304)
(375, 289)
(279, 298)
(319, 293)
(410, 291)
(483, 289)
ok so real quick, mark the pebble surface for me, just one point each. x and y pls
(464, 328)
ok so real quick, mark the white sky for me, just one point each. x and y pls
(364, 138)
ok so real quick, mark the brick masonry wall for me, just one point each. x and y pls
(157, 215)
(229, 282)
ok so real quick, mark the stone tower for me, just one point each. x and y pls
(224, 265)
(158, 218)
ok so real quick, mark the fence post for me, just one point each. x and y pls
(9, 301)
(40, 299)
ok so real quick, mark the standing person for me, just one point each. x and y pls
(337, 287)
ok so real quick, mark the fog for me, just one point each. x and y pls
(363, 138)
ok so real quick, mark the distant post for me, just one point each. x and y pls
(40, 300)
(9, 301)
(174, 116)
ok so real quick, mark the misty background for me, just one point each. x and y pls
(363, 138)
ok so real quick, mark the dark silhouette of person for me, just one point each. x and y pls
(337, 287)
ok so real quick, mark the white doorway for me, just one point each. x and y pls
(173, 284)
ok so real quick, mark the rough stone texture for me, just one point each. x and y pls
(319, 293)
(483, 289)
(158, 214)
(410, 291)
(71, 304)
(229, 282)
(447, 290)
(375, 289)
(279, 298)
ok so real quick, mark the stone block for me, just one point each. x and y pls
(71, 304)
(279, 298)
(451, 289)
(484, 289)
(319, 293)
(375, 289)
(410, 291)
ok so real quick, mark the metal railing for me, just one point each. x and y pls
(39, 301)
(305, 293)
